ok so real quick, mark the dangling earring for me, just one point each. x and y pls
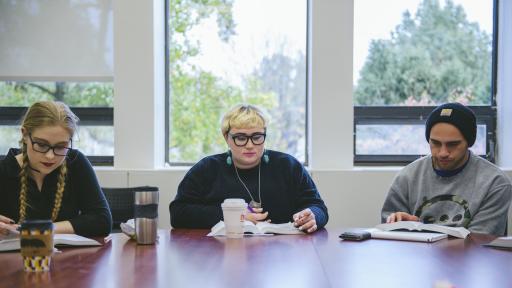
(229, 161)
(265, 157)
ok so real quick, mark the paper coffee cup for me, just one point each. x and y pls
(233, 210)
(36, 243)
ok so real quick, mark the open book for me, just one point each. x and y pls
(13, 244)
(390, 229)
(262, 228)
(459, 232)
(501, 242)
(406, 236)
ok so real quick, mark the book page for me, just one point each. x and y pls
(74, 240)
(10, 244)
(259, 229)
(249, 227)
(58, 239)
(501, 242)
(406, 236)
(218, 229)
(284, 228)
(459, 232)
(409, 225)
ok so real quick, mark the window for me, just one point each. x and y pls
(221, 53)
(58, 50)
(91, 102)
(413, 57)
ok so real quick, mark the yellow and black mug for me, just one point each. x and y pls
(36, 242)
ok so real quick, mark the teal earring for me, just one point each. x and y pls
(265, 157)
(229, 161)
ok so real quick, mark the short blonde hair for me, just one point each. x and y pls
(243, 116)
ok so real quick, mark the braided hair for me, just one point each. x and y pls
(43, 114)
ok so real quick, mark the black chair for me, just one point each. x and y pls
(121, 202)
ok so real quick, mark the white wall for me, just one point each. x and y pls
(504, 91)
(330, 94)
(352, 200)
(353, 195)
(139, 84)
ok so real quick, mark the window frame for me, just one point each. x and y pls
(306, 84)
(418, 115)
(89, 116)
(485, 114)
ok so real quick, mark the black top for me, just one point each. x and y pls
(286, 188)
(83, 203)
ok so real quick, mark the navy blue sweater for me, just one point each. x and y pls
(286, 188)
(83, 203)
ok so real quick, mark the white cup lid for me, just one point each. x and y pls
(234, 202)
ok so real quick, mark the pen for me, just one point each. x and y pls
(250, 209)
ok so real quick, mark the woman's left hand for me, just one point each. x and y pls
(305, 220)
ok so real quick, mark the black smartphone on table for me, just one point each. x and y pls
(355, 235)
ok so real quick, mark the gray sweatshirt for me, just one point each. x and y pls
(477, 198)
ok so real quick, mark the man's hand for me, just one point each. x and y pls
(401, 216)
(305, 220)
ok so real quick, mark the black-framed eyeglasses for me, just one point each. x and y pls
(241, 140)
(40, 147)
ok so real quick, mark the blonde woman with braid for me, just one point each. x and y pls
(47, 179)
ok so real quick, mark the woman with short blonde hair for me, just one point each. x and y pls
(276, 186)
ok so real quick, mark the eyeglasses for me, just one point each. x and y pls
(44, 148)
(242, 139)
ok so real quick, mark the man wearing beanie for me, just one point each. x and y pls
(451, 186)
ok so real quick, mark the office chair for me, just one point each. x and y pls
(121, 203)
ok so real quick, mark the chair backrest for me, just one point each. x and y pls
(121, 202)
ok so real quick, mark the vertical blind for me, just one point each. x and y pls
(56, 40)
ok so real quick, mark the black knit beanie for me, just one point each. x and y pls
(456, 114)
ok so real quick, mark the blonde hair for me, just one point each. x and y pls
(43, 114)
(244, 116)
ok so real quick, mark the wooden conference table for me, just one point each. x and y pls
(187, 258)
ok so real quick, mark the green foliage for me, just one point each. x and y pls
(199, 99)
(435, 57)
(185, 15)
(285, 78)
(90, 94)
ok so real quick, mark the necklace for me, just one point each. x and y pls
(253, 203)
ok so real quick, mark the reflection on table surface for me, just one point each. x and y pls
(187, 258)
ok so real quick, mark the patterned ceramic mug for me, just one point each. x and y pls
(36, 242)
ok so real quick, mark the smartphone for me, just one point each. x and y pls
(355, 235)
